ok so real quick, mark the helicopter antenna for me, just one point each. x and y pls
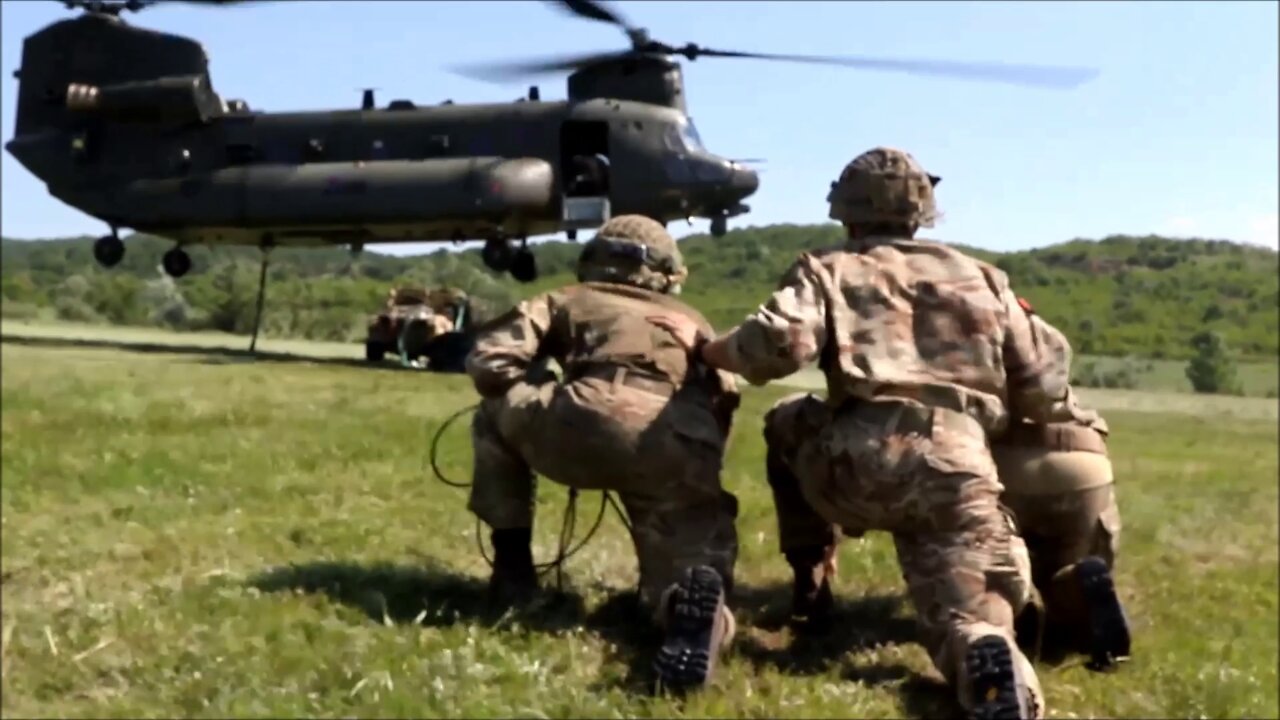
(642, 44)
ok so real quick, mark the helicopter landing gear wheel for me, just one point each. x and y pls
(497, 254)
(108, 250)
(524, 267)
(176, 262)
(719, 226)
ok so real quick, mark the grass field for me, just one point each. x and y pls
(1259, 379)
(187, 532)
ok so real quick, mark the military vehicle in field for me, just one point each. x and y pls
(425, 328)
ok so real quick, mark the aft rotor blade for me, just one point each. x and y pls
(1038, 75)
(501, 71)
(136, 5)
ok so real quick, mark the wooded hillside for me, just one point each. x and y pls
(1141, 296)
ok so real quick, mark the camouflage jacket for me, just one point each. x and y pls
(907, 318)
(589, 327)
(1057, 345)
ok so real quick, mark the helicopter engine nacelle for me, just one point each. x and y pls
(182, 99)
(646, 78)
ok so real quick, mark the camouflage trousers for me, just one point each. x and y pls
(1064, 501)
(661, 455)
(925, 475)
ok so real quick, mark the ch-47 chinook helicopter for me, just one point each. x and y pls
(123, 123)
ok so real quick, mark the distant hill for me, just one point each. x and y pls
(1141, 296)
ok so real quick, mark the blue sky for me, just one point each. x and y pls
(1177, 135)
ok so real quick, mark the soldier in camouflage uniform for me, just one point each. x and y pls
(1059, 485)
(926, 352)
(632, 415)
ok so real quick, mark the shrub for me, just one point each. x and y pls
(1123, 376)
(1212, 370)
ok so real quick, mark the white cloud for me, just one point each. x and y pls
(1265, 230)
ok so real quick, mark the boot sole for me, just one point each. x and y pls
(989, 663)
(688, 652)
(1109, 640)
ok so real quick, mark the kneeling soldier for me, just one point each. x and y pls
(1058, 482)
(632, 415)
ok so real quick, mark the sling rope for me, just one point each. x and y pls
(564, 551)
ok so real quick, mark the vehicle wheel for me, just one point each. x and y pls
(449, 353)
(374, 351)
(176, 262)
(719, 226)
(108, 250)
(525, 267)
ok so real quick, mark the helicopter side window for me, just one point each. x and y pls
(672, 139)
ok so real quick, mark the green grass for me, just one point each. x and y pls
(59, 330)
(199, 535)
(1259, 379)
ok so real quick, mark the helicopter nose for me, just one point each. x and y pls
(745, 181)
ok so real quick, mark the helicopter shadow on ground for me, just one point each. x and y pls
(209, 355)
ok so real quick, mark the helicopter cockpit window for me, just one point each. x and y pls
(689, 134)
(682, 138)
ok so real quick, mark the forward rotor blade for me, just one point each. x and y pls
(593, 10)
(503, 71)
(1037, 75)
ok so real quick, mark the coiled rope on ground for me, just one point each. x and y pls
(565, 550)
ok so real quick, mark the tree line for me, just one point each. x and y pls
(1146, 297)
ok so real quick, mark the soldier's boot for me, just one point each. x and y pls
(811, 599)
(1086, 606)
(696, 627)
(999, 683)
(514, 580)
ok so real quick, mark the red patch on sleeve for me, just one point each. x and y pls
(1026, 306)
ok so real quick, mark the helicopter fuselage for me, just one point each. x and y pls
(153, 148)
(446, 172)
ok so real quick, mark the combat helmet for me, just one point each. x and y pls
(633, 250)
(884, 186)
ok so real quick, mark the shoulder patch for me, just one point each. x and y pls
(1026, 306)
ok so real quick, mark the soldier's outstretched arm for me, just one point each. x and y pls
(1037, 362)
(1051, 337)
(783, 335)
(506, 347)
